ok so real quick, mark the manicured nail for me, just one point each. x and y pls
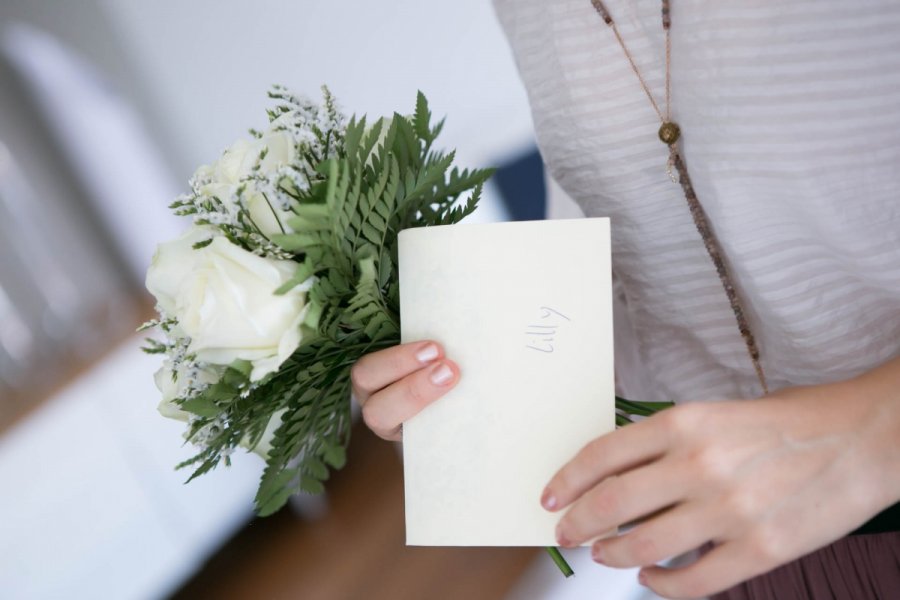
(427, 354)
(441, 374)
(561, 539)
(548, 500)
(597, 554)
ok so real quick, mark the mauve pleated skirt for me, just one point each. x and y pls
(857, 567)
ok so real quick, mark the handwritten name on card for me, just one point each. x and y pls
(541, 336)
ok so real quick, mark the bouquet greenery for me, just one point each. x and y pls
(288, 275)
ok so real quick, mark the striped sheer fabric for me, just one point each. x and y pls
(790, 113)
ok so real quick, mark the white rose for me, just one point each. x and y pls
(223, 299)
(174, 387)
(264, 445)
(237, 162)
(170, 389)
(268, 217)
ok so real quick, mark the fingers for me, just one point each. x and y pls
(379, 369)
(607, 455)
(723, 567)
(619, 500)
(385, 410)
(673, 532)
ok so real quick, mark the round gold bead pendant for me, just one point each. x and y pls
(669, 133)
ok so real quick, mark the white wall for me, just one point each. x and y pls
(209, 63)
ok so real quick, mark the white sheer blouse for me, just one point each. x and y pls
(790, 119)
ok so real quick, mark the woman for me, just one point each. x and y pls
(788, 114)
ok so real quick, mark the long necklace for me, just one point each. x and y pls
(669, 134)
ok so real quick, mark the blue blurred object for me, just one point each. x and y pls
(521, 184)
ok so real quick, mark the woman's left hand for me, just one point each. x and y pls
(765, 481)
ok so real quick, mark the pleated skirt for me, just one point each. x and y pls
(857, 567)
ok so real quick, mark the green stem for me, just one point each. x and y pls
(640, 408)
(627, 409)
(560, 561)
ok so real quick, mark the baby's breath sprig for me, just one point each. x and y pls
(315, 133)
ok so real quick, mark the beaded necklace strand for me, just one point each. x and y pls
(669, 134)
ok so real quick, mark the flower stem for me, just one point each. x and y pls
(625, 409)
(560, 561)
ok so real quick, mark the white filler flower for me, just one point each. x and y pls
(223, 299)
(237, 164)
(178, 383)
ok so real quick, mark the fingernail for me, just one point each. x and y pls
(548, 500)
(441, 374)
(597, 554)
(427, 354)
(561, 539)
(642, 577)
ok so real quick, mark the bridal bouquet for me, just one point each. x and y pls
(288, 275)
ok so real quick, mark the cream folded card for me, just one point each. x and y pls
(525, 309)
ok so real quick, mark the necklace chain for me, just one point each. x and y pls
(669, 133)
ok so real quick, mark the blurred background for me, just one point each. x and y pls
(106, 108)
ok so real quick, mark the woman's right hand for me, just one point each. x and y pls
(394, 384)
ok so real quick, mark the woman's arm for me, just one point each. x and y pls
(766, 481)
